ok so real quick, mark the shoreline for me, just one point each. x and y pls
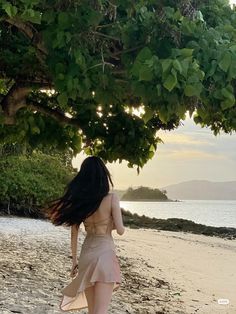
(162, 271)
(135, 221)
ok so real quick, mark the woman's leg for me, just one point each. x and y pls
(102, 297)
(89, 292)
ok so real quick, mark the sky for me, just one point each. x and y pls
(188, 153)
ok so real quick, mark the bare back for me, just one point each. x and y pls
(108, 211)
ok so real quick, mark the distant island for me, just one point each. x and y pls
(145, 194)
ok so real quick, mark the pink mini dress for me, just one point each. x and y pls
(97, 262)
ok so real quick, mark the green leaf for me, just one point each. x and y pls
(225, 62)
(135, 69)
(73, 94)
(194, 78)
(63, 19)
(79, 58)
(186, 52)
(193, 90)
(212, 69)
(10, 9)
(143, 55)
(68, 37)
(170, 82)
(166, 63)
(230, 99)
(61, 76)
(158, 89)
(177, 66)
(169, 11)
(145, 74)
(181, 110)
(94, 18)
(152, 148)
(60, 68)
(70, 84)
(163, 115)
(31, 12)
(226, 104)
(35, 130)
(151, 154)
(77, 143)
(32, 16)
(233, 48)
(201, 113)
(232, 70)
(185, 66)
(199, 15)
(62, 99)
(49, 16)
(37, 18)
(149, 62)
(148, 114)
(178, 16)
(227, 91)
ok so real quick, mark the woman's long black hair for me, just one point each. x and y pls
(83, 194)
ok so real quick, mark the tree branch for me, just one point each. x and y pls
(27, 30)
(119, 52)
(54, 113)
(105, 36)
(15, 99)
(41, 84)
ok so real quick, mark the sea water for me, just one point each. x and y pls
(207, 212)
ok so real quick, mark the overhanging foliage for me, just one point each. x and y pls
(102, 59)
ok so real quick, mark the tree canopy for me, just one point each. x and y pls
(74, 72)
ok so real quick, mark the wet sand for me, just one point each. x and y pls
(162, 271)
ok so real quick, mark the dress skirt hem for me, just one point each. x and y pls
(97, 263)
(69, 300)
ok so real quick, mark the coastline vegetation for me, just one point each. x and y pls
(136, 221)
(31, 178)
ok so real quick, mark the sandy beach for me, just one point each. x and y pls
(162, 271)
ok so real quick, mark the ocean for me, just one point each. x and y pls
(207, 212)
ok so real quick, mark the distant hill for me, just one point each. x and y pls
(202, 190)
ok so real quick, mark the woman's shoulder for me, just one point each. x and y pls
(113, 196)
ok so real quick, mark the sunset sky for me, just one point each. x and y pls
(188, 153)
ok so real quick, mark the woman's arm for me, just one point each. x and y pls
(117, 215)
(74, 241)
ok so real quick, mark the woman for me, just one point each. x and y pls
(97, 273)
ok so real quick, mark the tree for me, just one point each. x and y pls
(72, 72)
(28, 182)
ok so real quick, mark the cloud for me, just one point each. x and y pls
(191, 154)
(183, 139)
